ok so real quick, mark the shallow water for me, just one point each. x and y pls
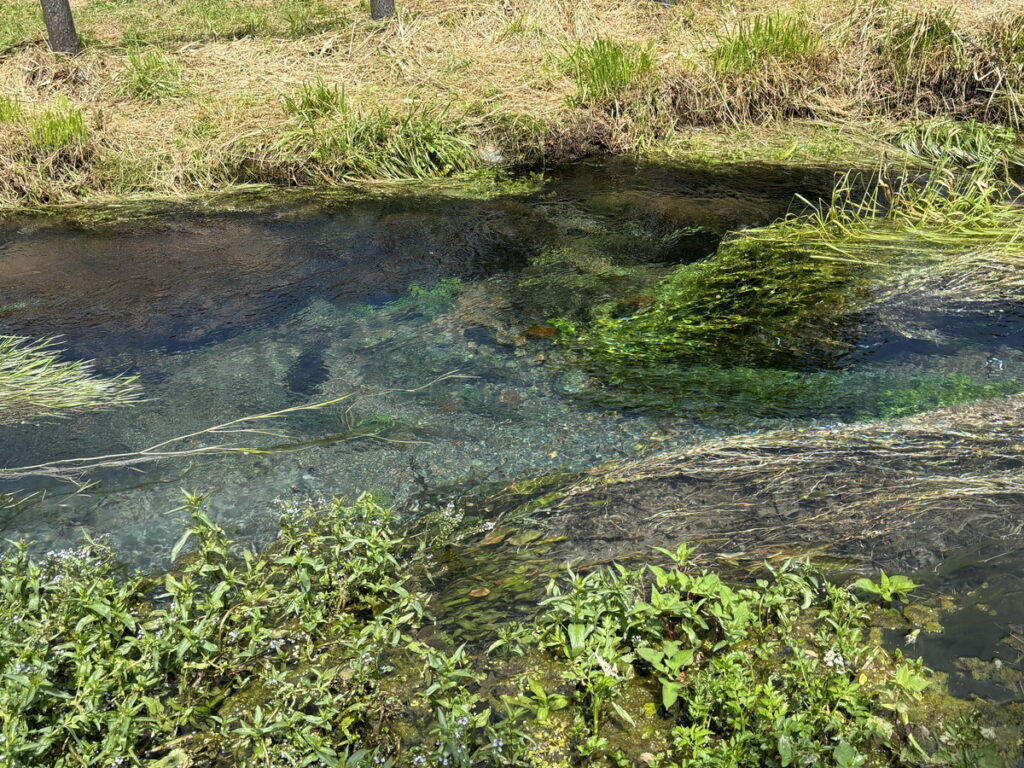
(224, 315)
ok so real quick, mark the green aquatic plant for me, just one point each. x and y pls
(966, 142)
(741, 393)
(774, 673)
(887, 588)
(313, 652)
(796, 293)
(256, 659)
(35, 382)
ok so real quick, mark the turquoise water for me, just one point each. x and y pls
(233, 314)
(427, 310)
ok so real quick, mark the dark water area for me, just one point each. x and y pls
(228, 314)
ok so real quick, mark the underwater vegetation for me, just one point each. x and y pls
(317, 651)
(35, 382)
(774, 303)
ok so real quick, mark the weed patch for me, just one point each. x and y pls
(763, 41)
(151, 75)
(329, 140)
(306, 653)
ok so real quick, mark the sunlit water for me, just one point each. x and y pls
(423, 307)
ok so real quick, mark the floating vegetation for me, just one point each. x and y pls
(966, 142)
(311, 653)
(35, 382)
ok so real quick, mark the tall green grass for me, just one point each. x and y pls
(10, 110)
(331, 139)
(62, 127)
(314, 101)
(35, 382)
(608, 73)
(151, 75)
(772, 38)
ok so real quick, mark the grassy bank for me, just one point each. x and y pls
(322, 651)
(199, 95)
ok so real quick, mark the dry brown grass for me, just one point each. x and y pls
(497, 65)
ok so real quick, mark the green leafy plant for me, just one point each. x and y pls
(671, 661)
(887, 588)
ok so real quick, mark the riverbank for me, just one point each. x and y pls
(195, 97)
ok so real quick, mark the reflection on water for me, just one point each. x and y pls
(230, 315)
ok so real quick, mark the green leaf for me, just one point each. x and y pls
(785, 750)
(176, 549)
(670, 692)
(847, 756)
(577, 637)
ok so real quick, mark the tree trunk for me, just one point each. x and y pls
(60, 26)
(382, 9)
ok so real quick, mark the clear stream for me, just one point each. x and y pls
(224, 315)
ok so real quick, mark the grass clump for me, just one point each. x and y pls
(608, 74)
(763, 40)
(924, 47)
(59, 129)
(966, 142)
(151, 75)
(329, 140)
(34, 382)
(10, 110)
